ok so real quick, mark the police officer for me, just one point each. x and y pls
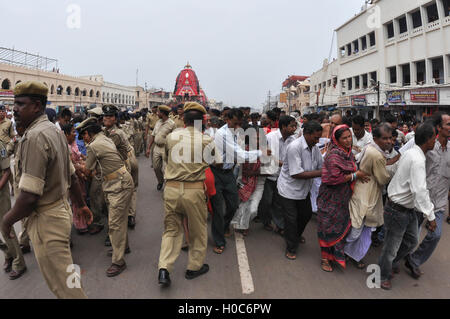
(110, 120)
(178, 119)
(14, 261)
(184, 196)
(96, 196)
(152, 119)
(46, 175)
(103, 157)
(163, 127)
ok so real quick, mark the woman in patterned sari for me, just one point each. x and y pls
(339, 173)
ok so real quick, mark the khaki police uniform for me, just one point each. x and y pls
(13, 247)
(103, 157)
(152, 120)
(6, 131)
(184, 196)
(127, 153)
(179, 122)
(162, 129)
(44, 168)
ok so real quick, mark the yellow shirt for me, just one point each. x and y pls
(162, 129)
(102, 155)
(184, 152)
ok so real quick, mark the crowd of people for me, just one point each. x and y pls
(369, 183)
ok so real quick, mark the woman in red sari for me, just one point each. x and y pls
(339, 173)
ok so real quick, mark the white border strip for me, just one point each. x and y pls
(244, 268)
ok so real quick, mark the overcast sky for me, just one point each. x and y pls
(240, 49)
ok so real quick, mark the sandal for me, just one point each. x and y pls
(325, 264)
(219, 250)
(358, 264)
(291, 256)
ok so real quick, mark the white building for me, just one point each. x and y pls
(402, 48)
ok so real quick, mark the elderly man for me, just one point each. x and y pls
(366, 204)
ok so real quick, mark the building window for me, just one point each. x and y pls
(363, 43)
(406, 75)
(432, 13)
(52, 89)
(437, 65)
(355, 46)
(343, 85)
(98, 94)
(402, 25)
(69, 90)
(446, 4)
(357, 86)
(334, 82)
(59, 90)
(77, 91)
(392, 72)
(416, 19)
(342, 51)
(372, 38)
(365, 81)
(6, 85)
(350, 84)
(91, 93)
(420, 72)
(328, 83)
(349, 49)
(390, 30)
(373, 77)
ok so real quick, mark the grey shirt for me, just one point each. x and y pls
(299, 158)
(438, 175)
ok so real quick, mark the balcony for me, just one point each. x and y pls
(433, 26)
(403, 36)
(447, 21)
(417, 31)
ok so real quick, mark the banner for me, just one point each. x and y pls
(359, 100)
(424, 95)
(395, 97)
(344, 101)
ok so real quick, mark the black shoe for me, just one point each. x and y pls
(131, 222)
(25, 249)
(164, 278)
(415, 271)
(107, 242)
(7, 266)
(3, 246)
(194, 274)
(160, 186)
(110, 252)
(13, 275)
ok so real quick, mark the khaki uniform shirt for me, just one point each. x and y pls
(102, 155)
(43, 165)
(120, 140)
(152, 120)
(179, 122)
(162, 129)
(6, 131)
(185, 162)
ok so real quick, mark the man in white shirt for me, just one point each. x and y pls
(361, 138)
(270, 209)
(302, 163)
(438, 184)
(407, 191)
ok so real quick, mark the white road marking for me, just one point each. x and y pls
(244, 268)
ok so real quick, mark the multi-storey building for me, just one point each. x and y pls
(393, 56)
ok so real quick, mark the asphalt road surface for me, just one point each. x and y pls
(254, 267)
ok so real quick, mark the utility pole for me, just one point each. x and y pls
(377, 113)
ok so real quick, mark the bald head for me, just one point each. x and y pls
(335, 120)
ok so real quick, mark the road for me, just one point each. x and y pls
(266, 273)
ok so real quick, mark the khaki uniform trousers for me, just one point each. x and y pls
(118, 192)
(186, 200)
(49, 230)
(138, 143)
(158, 162)
(13, 247)
(133, 169)
(97, 200)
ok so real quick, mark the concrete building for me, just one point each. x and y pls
(394, 56)
(296, 93)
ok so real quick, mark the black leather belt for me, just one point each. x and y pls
(399, 207)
